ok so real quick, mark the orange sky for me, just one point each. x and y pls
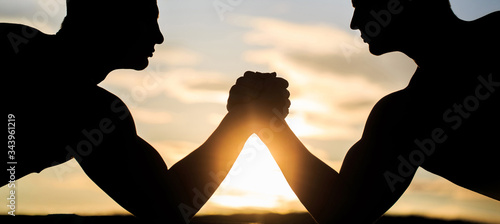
(334, 83)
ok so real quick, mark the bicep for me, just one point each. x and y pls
(384, 147)
(373, 176)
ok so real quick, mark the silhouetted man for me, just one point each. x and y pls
(61, 113)
(446, 120)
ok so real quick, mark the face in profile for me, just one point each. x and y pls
(121, 34)
(135, 36)
(384, 24)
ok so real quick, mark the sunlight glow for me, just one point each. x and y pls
(301, 127)
(255, 181)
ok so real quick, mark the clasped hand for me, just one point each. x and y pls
(260, 98)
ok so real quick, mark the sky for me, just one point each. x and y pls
(180, 99)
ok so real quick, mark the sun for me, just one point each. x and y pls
(255, 182)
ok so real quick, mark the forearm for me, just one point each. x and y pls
(202, 171)
(310, 178)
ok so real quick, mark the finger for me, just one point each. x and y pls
(234, 100)
(281, 83)
(276, 83)
(286, 108)
(238, 99)
(282, 109)
(259, 75)
(248, 73)
(243, 91)
(286, 94)
(256, 84)
(247, 82)
(266, 75)
(284, 112)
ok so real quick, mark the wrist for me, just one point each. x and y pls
(241, 120)
(256, 119)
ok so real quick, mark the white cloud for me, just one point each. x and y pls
(195, 86)
(215, 118)
(150, 116)
(187, 85)
(282, 35)
(434, 196)
(325, 104)
(176, 56)
(61, 189)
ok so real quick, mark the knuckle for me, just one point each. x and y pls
(283, 82)
(234, 90)
(249, 73)
(240, 80)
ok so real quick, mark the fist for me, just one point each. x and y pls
(263, 93)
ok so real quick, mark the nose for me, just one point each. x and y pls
(158, 37)
(354, 20)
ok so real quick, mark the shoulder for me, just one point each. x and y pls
(104, 111)
(91, 107)
(492, 18)
(20, 45)
(486, 40)
(111, 104)
(390, 116)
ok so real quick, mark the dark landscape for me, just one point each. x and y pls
(271, 218)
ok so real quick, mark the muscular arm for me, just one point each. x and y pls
(134, 174)
(360, 192)
(202, 171)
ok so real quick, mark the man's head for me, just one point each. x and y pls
(114, 33)
(397, 25)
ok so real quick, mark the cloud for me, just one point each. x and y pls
(187, 85)
(43, 15)
(175, 56)
(337, 105)
(195, 86)
(173, 151)
(316, 39)
(215, 118)
(434, 196)
(61, 189)
(150, 116)
(255, 181)
(334, 81)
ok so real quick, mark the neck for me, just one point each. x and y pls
(441, 48)
(79, 63)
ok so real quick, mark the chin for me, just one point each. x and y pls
(378, 50)
(139, 65)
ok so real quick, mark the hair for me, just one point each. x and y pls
(93, 15)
